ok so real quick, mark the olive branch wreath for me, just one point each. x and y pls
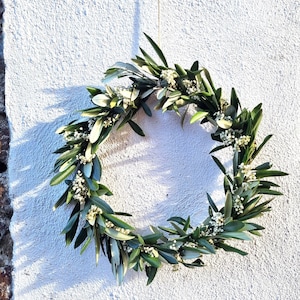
(180, 243)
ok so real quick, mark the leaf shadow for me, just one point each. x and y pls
(181, 176)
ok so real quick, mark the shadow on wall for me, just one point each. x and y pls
(187, 176)
(40, 247)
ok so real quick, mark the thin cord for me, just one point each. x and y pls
(158, 21)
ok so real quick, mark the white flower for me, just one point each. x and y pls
(110, 121)
(169, 75)
(250, 175)
(238, 204)
(150, 250)
(216, 223)
(75, 135)
(228, 137)
(92, 214)
(222, 120)
(79, 188)
(191, 86)
(242, 141)
(83, 160)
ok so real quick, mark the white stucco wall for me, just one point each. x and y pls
(53, 49)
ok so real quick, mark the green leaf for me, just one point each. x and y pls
(181, 71)
(59, 177)
(96, 131)
(117, 221)
(191, 253)
(91, 184)
(71, 222)
(228, 248)
(195, 66)
(151, 64)
(178, 229)
(228, 205)
(97, 170)
(146, 109)
(102, 100)
(71, 233)
(118, 235)
(103, 190)
(264, 166)
(187, 224)
(207, 75)
(152, 238)
(87, 169)
(269, 173)
(81, 237)
(199, 115)
(134, 254)
(217, 148)
(88, 240)
(261, 146)
(233, 226)
(153, 261)
(235, 235)
(268, 192)
(169, 230)
(97, 239)
(150, 272)
(157, 50)
(136, 128)
(207, 245)
(211, 203)
(146, 94)
(227, 187)
(234, 100)
(102, 204)
(219, 164)
(168, 257)
(93, 91)
(178, 220)
(61, 200)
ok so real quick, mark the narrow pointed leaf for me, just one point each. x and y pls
(96, 131)
(157, 50)
(136, 128)
(58, 178)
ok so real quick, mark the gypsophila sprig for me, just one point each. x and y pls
(79, 166)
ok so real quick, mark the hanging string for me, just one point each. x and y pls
(158, 22)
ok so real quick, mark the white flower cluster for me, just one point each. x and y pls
(221, 116)
(191, 86)
(110, 121)
(238, 204)
(242, 141)
(169, 76)
(214, 226)
(83, 160)
(216, 223)
(173, 245)
(228, 138)
(92, 214)
(91, 123)
(75, 135)
(127, 96)
(150, 250)
(110, 224)
(79, 188)
(250, 175)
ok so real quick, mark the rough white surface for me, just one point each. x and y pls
(53, 49)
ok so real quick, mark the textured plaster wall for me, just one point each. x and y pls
(53, 49)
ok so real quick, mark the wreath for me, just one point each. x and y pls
(92, 218)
